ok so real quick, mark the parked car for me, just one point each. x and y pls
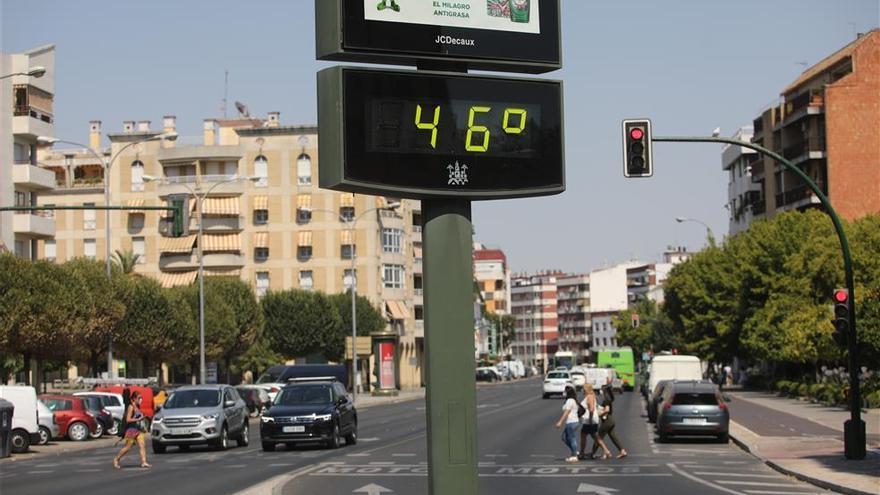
(278, 376)
(693, 408)
(74, 421)
(25, 425)
(48, 426)
(146, 393)
(654, 399)
(111, 402)
(555, 382)
(199, 415)
(105, 421)
(308, 411)
(487, 374)
(255, 398)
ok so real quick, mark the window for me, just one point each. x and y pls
(347, 213)
(261, 170)
(391, 240)
(303, 216)
(136, 221)
(21, 199)
(347, 279)
(304, 252)
(262, 283)
(305, 280)
(89, 248)
(88, 217)
(137, 175)
(392, 276)
(50, 251)
(303, 208)
(304, 170)
(261, 217)
(138, 247)
(348, 251)
(419, 312)
(261, 254)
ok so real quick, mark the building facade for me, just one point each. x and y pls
(264, 218)
(22, 181)
(573, 309)
(492, 276)
(744, 195)
(533, 302)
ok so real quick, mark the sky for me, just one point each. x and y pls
(689, 65)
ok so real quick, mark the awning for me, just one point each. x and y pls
(346, 237)
(304, 201)
(346, 200)
(381, 202)
(221, 242)
(223, 273)
(397, 310)
(304, 238)
(174, 279)
(177, 244)
(417, 252)
(261, 239)
(220, 206)
(135, 203)
(261, 202)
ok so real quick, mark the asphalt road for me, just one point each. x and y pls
(520, 452)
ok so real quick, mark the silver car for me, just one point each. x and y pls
(198, 415)
(692, 408)
(48, 427)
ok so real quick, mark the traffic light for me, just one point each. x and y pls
(841, 316)
(177, 217)
(637, 154)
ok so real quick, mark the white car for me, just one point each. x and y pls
(48, 427)
(578, 378)
(113, 403)
(555, 383)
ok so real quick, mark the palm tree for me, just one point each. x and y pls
(126, 261)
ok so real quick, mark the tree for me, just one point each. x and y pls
(126, 261)
(505, 327)
(13, 297)
(220, 326)
(257, 359)
(300, 323)
(369, 319)
(246, 312)
(653, 331)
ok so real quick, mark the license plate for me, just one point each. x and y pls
(694, 421)
(181, 431)
(294, 429)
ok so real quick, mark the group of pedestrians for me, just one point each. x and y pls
(594, 420)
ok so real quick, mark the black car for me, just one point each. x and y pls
(654, 399)
(103, 418)
(309, 411)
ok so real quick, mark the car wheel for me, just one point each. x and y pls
(158, 448)
(334, 441)
(545, 396)
(99, 431)
(45, 435)
(724, 438)
(78, 431)
(268, 447)
(223, 440)
(244, 438)
(115, 428)
(20, 441)
(352, 438)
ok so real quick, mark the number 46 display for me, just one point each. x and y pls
(513, 122)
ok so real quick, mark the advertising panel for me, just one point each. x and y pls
(521, 16)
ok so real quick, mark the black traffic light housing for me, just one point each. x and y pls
(178, 217)
(637, 155)
(841, 316)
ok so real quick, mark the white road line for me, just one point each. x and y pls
(281, 464)
(739, 475)
(771, 492)
(88, 471)
(495, 455)
(54, 464)
(542, 455)
(403, 455)
(371, 439)
(357, 455)
(41, 472)
(701, 481)
(382, 463)
(235, 465)
(756, 483)
(736, 462)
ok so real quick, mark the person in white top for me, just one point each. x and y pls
(590, 420)
(571, 420)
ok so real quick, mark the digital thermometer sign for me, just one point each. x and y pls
(428, 134)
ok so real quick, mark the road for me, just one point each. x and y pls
(520, 452)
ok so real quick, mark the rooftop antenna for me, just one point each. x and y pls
(225, 91)
(243, 112)
(803, 63)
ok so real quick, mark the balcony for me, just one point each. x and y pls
(807, 149)
(32, 177)
(190, 261)
(28, 121)
(798, 196)
(39, 226)
(581, 294)
(182, 185)
(188, 154)
(810, 102)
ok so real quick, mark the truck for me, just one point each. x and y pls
(622, 361)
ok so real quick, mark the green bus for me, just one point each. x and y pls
(622, 361)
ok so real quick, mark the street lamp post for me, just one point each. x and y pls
(709, 235)
(350, 226)
(106, 164)
(199, 199)
(35, 72)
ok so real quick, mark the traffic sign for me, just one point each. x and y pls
(505, 35)
(437, 134)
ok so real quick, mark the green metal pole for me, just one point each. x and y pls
(449, 347)
(854, 428)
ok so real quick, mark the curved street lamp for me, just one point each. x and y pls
(35, 72)
(709, 236)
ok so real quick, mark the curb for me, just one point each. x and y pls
(795, 474)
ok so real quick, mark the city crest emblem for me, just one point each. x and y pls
(457, 174)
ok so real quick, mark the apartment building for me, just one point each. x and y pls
(573, 309)
(744, 195)
(826, 125)
(22, 181)
(533, 301)
(264, 218)
(492, 276)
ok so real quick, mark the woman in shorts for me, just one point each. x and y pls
(134, 432)
(590, 427)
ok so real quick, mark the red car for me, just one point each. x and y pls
(73, 418)
(146, 393)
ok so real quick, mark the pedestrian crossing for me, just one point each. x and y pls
(743, 479)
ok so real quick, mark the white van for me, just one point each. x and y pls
(599, 377)
(674, 367)
(25, 425)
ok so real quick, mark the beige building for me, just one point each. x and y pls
(276, 231)
(28, 114)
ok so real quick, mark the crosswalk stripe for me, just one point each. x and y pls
(754, 483)
(771, 492)
(739, 475)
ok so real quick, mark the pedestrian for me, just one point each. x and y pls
(134, 431)
(590, 426)
(126, 401)
(571, 421)
(607, 427)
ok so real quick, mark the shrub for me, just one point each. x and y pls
(803, 390)
(873, 399)
(814, 390)
(782, 386)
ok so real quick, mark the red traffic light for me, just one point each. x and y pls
(841, 296)
(636, 133)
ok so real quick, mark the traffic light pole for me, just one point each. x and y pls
(854, 428)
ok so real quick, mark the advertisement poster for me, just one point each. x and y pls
(386, 365)
(519, 16)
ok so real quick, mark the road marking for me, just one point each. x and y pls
(54, 464)
(756, 483)
(495, 455)
(281, 464)
(357, 455)
(382, 463)
(41, 472)
(771, 492)
(691, 477)
(739, 475)
(542, 455)
(235, 466)
(371, 439)
(88, 471)
(403, 455)
(736, 462)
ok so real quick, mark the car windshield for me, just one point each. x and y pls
(58, 404)
(558, 375)
(304, 394)
(193, 398)
(692, 399)
(269, 377)
(92, 403)
(578, 374)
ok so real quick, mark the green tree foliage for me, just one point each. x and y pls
(300, 323)
(246, 312)
(369, 319)
(220, 325)
(126, 261)
(257, 359)
(652, 332)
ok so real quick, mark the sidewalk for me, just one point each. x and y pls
(805, 440)
(365, 401)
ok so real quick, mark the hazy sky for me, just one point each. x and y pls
(689, 65)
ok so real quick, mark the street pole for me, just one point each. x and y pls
(199, 200)
(854, 428)
(709, 236)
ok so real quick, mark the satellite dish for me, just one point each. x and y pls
(242, 110)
